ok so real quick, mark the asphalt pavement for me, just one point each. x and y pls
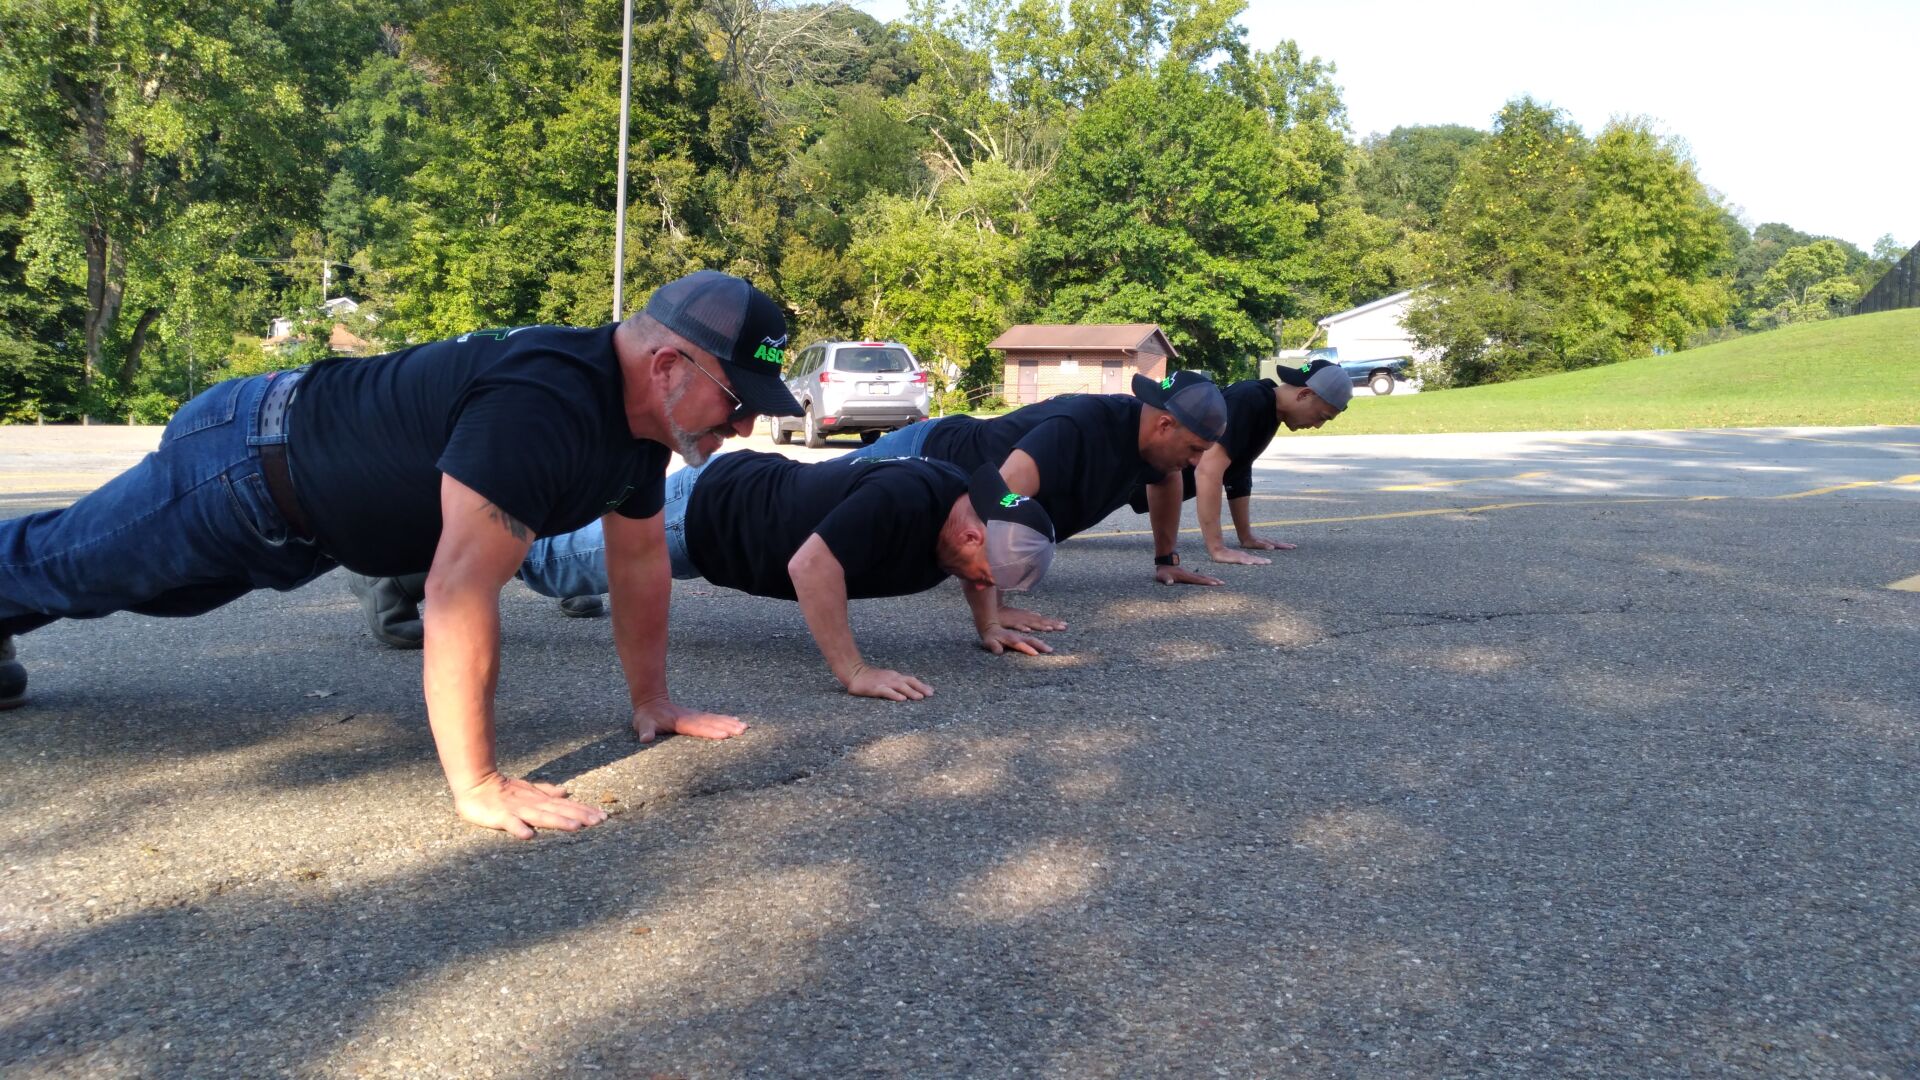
(1546, 755)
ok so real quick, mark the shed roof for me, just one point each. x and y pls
(1353, 312)
(1116, 337)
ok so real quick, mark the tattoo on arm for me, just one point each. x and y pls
(506, 521)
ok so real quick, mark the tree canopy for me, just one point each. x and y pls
(174, 176)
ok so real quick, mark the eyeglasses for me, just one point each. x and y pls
(740, 411)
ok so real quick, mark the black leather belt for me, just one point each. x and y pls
(273, 456)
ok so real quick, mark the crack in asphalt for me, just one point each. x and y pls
(1452, 618)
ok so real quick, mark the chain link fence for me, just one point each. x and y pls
(1900, 288)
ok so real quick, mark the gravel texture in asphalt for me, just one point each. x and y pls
(1569, 774)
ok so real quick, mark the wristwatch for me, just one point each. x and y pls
(1167, 560)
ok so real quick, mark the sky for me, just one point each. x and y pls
(1802, 113)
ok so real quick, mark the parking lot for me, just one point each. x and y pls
(1549, 755)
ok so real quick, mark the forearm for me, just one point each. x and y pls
(985, 604)
(1163, 511)
(823, 602)
(1206, 504)
(641, 589)
(461, 669)
(1242, 510)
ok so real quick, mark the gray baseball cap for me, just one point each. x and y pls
(1019, 531)
(1328, 380)
(1191, 397)
(738, 324)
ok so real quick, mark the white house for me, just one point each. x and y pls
(282, 326)
(1372, 331)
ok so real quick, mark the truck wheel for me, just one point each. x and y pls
(868, 438)
(1381, 384)
(815, 440)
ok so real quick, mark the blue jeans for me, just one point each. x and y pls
(906, 442)
(191, 527)
(575, 563)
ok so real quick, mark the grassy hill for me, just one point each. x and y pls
(1845, 372)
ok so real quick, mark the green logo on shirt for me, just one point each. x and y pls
(620, 498)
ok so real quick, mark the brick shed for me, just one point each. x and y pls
(1094, 359)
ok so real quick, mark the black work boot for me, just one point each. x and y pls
(581, 607)
(392, 606)
(13, 676)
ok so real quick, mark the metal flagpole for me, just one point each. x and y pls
(620, 199)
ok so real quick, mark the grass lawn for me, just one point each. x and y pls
(1846, 372)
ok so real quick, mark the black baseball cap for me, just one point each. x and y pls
(738, 324)
(1192, 399)
(1019, 531)
(1328, 380)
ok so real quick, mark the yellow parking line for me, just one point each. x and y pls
(1912, 479)
(1482, 508)
(1911, 584)
(1812, 438)
(1457, 483)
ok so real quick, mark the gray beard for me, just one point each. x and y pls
(687, 443)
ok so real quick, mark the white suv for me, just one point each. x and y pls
(871, 387)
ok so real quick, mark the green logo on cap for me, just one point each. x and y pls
(770, 354)
(1166, 383)
(1308, 366)
(1010, 500)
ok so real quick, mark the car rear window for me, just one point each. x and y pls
(868, 361)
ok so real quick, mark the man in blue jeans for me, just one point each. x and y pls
(1080, 456)
(826, 533)
(449, 457)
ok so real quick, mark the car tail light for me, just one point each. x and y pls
(920, 377)
(826, 377)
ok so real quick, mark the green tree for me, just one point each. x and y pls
(1505, 263)
(510, 133)
(1653, 238)
(129, 118)
(1406, 174)
(40, 316)
(1807, 283)
(939, 277)
(1171, 204)
(1554, 253)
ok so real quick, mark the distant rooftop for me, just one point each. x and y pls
(1120, 337)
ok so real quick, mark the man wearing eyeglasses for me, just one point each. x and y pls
(449, 457)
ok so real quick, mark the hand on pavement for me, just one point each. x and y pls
(1175, 575)
(999, 639)
(1238, 558)
(663, 717)
(891, 685)
(518, 807)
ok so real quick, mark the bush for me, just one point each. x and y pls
(150, 408)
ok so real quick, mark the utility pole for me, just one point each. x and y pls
(620, 197)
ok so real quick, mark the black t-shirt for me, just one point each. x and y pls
(531, 418)
(1087, 447)
(750, 512)
(1252, 419)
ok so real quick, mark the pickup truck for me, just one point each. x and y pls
(1380, 376)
